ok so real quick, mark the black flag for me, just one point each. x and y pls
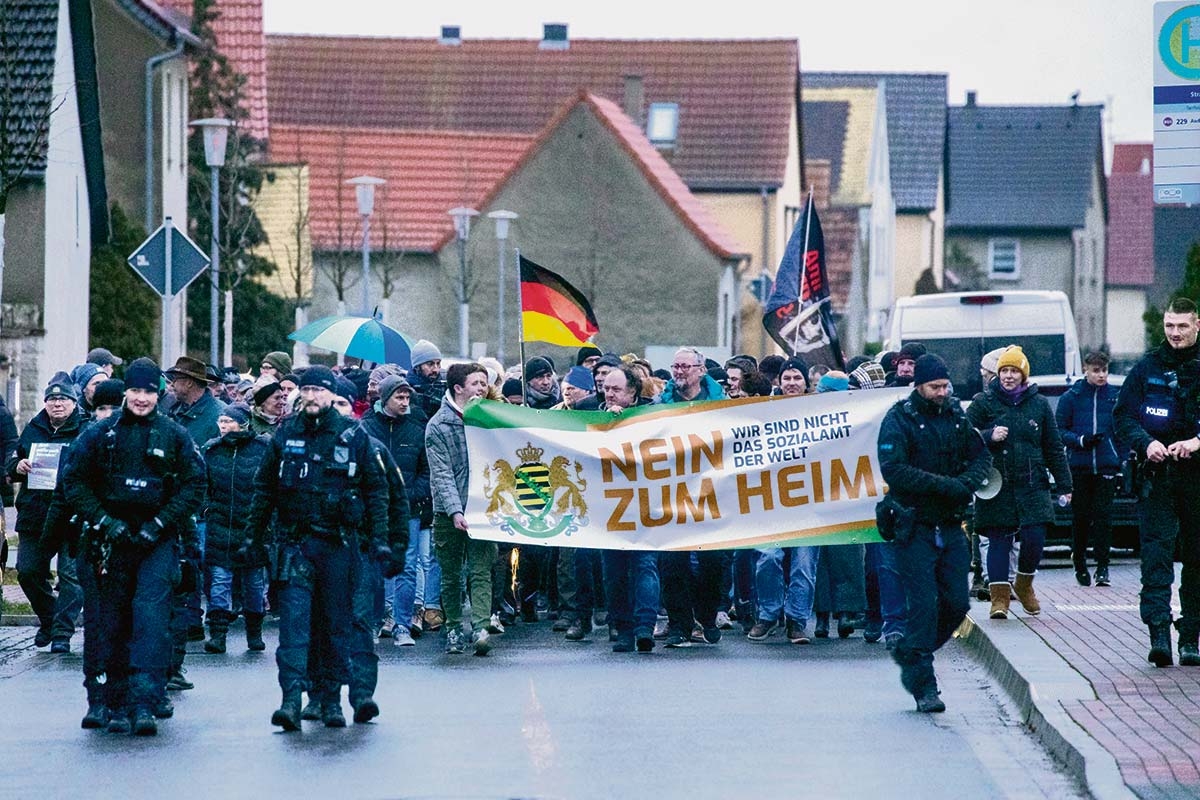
(798, 314)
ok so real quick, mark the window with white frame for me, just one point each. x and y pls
(1004, 259)
(662, 123)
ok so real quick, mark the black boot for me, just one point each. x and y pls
(365, 709)
(312, 711)
(287, 716)
(1189, 646)
(118, 721)
(254, 626)
(1160, 644)
(97, 713)
(331, 714)
(144, 723)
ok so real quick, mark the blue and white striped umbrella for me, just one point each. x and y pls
(365, 338)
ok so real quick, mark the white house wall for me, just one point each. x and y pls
(68, 228)
(882, 231)
(173, 118)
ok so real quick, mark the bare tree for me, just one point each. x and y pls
(388, 266)
(341, 268)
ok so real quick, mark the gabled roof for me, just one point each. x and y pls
(735, 97)
(839, 126)
(916, 120)
(238, 28)
(32, 40)
(428, 173)
(1131, 217)
(694, 214)
(167, 23)
(1028, 167)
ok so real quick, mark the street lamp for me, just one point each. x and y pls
(501, 218)
(462, 230)
(364, 193)
(216, 135)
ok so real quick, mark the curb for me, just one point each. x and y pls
(1038, 680)
(16, 620)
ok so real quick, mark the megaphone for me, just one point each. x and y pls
(990, 486)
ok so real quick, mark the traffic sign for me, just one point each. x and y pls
(150, 260)
(1177, 102)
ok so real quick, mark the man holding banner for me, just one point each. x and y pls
(933, 461)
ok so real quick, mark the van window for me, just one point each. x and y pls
(1046, 356)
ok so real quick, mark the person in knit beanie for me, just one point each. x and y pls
(1020, 429)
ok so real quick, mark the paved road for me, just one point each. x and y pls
(544, 718)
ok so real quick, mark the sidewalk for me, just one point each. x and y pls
(1145, 719)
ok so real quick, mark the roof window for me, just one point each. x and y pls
(662, 124)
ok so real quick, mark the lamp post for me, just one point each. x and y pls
(216, 135)
(364, 193)
(462, 230)
(502, 218)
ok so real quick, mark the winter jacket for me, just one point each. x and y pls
(1083, 413)
(8, 443)
(33, 504)
(200, 418)
(398, 512)
(446, 449)
(404, 438)
(1032, 446)
(709, 390)
(1160, 401)
(260, 425)
(230, 463)
(931, 457)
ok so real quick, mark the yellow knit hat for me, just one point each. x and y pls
(1014, 357)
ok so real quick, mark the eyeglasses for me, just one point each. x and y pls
(683, 367)
(59, 400)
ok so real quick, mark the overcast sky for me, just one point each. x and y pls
(1010, 51)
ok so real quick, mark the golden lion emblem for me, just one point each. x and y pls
(533, 498)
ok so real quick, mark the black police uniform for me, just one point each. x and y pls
(932, 460)
(137, 481)
(375, 563)
(321, 480)
(1158, 401)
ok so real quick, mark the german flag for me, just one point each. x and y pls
(553, 310)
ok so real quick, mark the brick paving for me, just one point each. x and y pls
(1147, 718)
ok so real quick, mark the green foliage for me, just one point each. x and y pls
(1190, 289)
(124, 311)
(217, 90)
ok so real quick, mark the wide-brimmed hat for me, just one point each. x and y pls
(188, 367)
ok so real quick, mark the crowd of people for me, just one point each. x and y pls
(335, 499)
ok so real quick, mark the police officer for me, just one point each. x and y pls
(1156, 415)
(933, 461)
(322, 480)
(137, 478)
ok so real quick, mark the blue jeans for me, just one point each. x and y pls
(56, 613)
(1000, 545)
(745, 565)
(421, 582)
(885, 592)
(801, 583)
(254, 588)
(631, 583)
(933, 566)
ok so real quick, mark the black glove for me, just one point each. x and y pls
(245, 551)
(149, 533)
(961, 491)
(389, 565)
(1091, 440)
(114, 530)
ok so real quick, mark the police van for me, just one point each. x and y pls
(963, 326)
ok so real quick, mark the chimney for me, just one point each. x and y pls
(554, 36)
(635, 99)
(971, 98)
(451, 35)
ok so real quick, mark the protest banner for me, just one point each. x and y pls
(753, 472)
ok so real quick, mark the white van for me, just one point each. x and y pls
(962, 326)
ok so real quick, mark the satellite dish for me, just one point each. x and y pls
(991, 485)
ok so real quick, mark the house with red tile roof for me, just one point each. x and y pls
(720, 115)
(84, 74)
(1129, 270)
(597, 202)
